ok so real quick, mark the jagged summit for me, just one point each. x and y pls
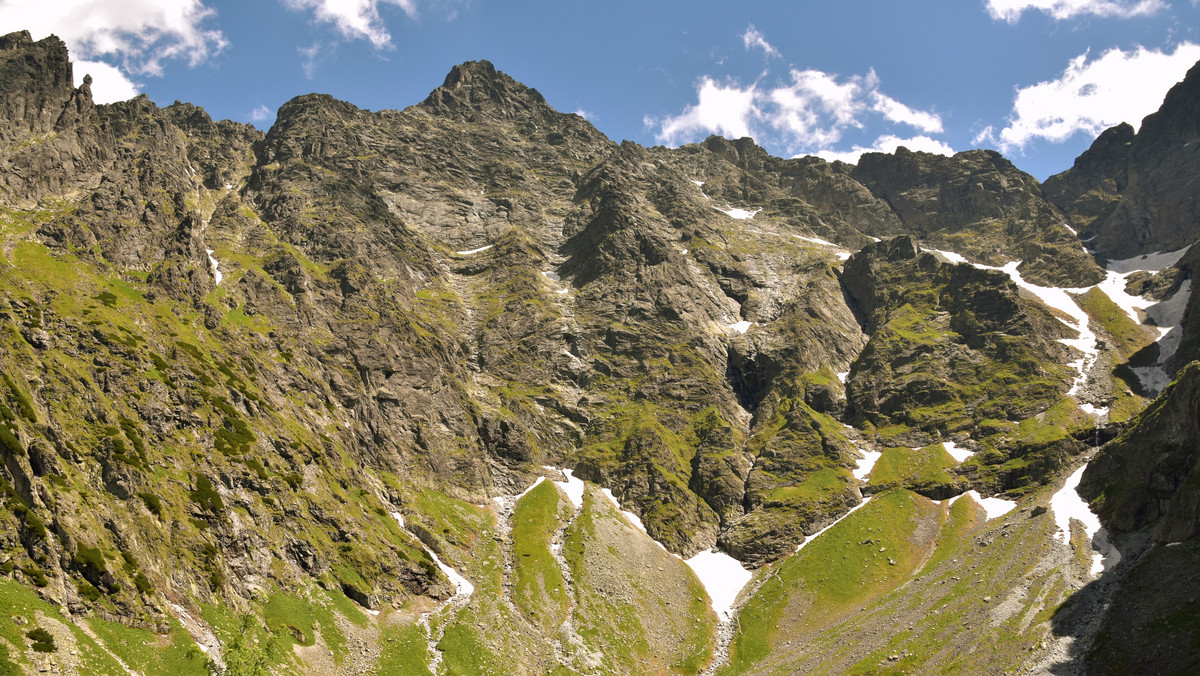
(35, 83)
(478, 86)
(1131, 194)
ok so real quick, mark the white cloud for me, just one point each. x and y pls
(142, 34)
(1091, 96)
(1011, 10)
(585, 114)
(261, 114)
(727, 110)
(355, 18)
(809, 113)
(752, 38)
(109, 84)
(895, 111)
(815, 108)
(888, 143)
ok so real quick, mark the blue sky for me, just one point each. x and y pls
(1036, 79)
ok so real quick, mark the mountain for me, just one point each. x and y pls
(469, 388)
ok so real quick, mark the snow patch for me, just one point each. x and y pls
(1113, 286)
(216, 272)
(1154, 262)
(951, 256)
(843, 376)
(1094, 411)
(740, 214)
(1066, 505)
(959, 454)
(552, 276)
(698, 183)
(573, 487)
(462, 586)
(723, 578)
(473, 251)
(1154, 379)
(1168, 316)
(843, 255)
(740, 327)
(229, 186)
(815, 240)
(864, 465)
(994, 507)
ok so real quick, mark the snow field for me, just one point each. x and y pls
(959, 454)
(865, 464)
(474, 251)
(739, 214)
(723, 578)
(1066, 505)
(994, 507)
(217, 274)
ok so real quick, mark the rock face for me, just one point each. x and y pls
(979, 205)
(1132, 192)
(951, 345)
(231, 359)
(1149, 477)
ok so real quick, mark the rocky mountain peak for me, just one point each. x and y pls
(35, 84)
(1132, 193)
(743, 152)
(476, 86)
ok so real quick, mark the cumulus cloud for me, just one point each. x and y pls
(109, 84)
(753, 39)
(1091, 96)
(355, 19)
(808, 113)
(815, 108)
(728, 110)
(888, 143)
(1011, 10)
(141, 34)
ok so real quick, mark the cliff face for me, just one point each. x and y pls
(1131, 191)
(1147, 478)
(254, 383)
